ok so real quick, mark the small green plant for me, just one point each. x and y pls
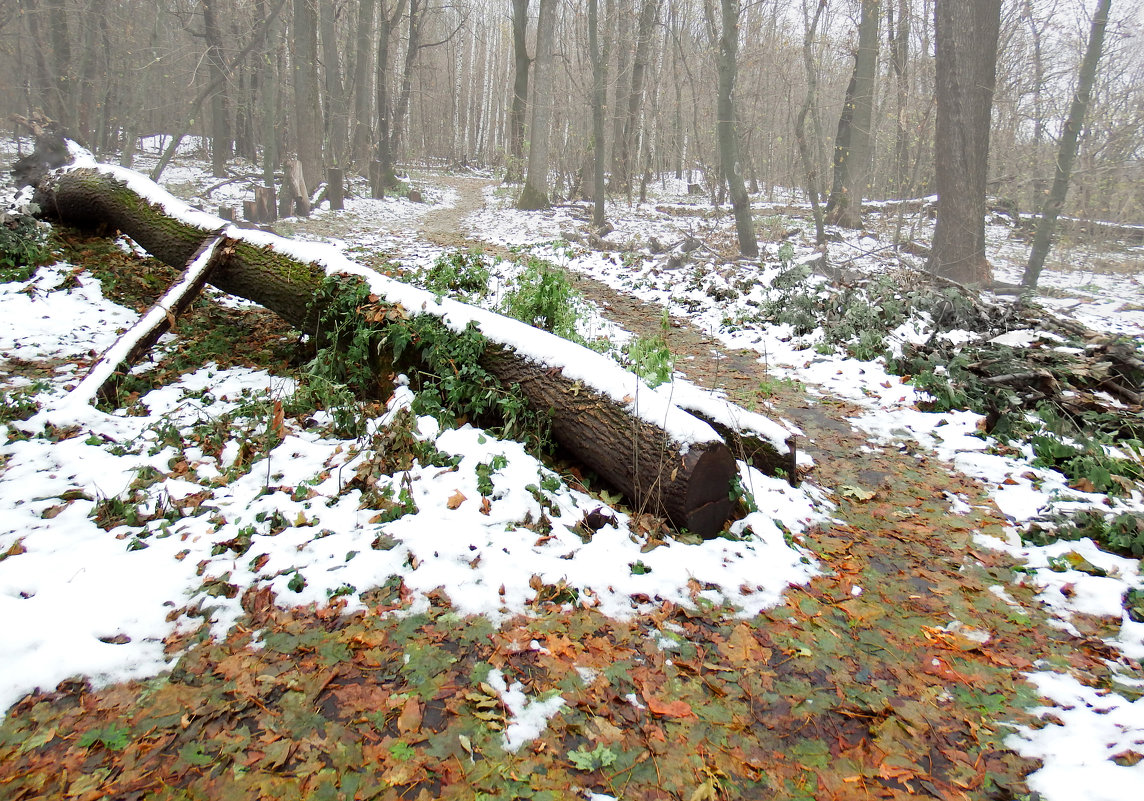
(19, 403)
(485, 471)
(741, 496)
(587, 761)
(638, 568)
(650, 357)
(544, 297)
(462, 272)
(297, 582)
(24, 243)
(111, 737)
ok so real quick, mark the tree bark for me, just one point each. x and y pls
(726, 62)
(852, 161)
(221, 140)
(364, 60)
(307, 111)
(967, 33)
(386, 23)
(805, 155)
(535, 193)
(688, 484)
(1052, 208)
(514, 166)
(599, 61)
(336, 105)
(622, 176)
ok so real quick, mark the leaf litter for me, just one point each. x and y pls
(892, 672)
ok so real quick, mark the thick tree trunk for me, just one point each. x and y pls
(622, 177)
(307, 111)
(514, 166)
(599, 90)
(852, 167)
(804, 152)
(337, 106)
(535, 193)
(362, 85)
(1044, 238)
(385, 156)
(221, 140)
(689, 483)
(966, 73)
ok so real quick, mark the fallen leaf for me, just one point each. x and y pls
(455, 500)
(409, 721)
(668, 709)
(855, 493)
(486, 506)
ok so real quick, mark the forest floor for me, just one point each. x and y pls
(897, 668)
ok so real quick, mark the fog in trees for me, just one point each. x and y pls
(375, 86)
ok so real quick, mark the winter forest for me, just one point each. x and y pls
(572, 399)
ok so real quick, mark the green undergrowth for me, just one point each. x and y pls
(1051, 406)
(362, 342)
(25, 243)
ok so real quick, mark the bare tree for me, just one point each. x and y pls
(966, 73)
(599, 61)
(535, 193)
(725, 35)
(514, 171)
(307, 112)
(222, 143)
(1056, 199)
(808, 164)
(852, 152)
(363, 59)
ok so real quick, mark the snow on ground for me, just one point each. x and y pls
(1102, 292)
(190, 527)
(75, 583)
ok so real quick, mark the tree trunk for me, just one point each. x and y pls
(804, 152)
(268, 100)
(1052, 208)
(535, 194)
(362, 107)
(726, 62)
(337, 110)
(221, 140)
(307, 111)
(900, 58)
(688, 483)
(852, 164)
(967, 33)
(599, 91)
(622, 176)
(385, 176)
(417, 10)
(62, 68)
(514, 166)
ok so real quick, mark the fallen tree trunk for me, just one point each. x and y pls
(663, 459)
(104, 377)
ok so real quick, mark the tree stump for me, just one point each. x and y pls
(265, 205)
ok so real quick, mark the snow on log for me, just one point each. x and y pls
(665, 460)
(109, 368)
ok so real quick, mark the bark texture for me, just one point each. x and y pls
(1067, 155)
(688, 485)
(967, 33)
(727, 65)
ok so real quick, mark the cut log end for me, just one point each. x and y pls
(707, 502)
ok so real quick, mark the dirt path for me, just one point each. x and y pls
(874, 631)
(857, 688)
